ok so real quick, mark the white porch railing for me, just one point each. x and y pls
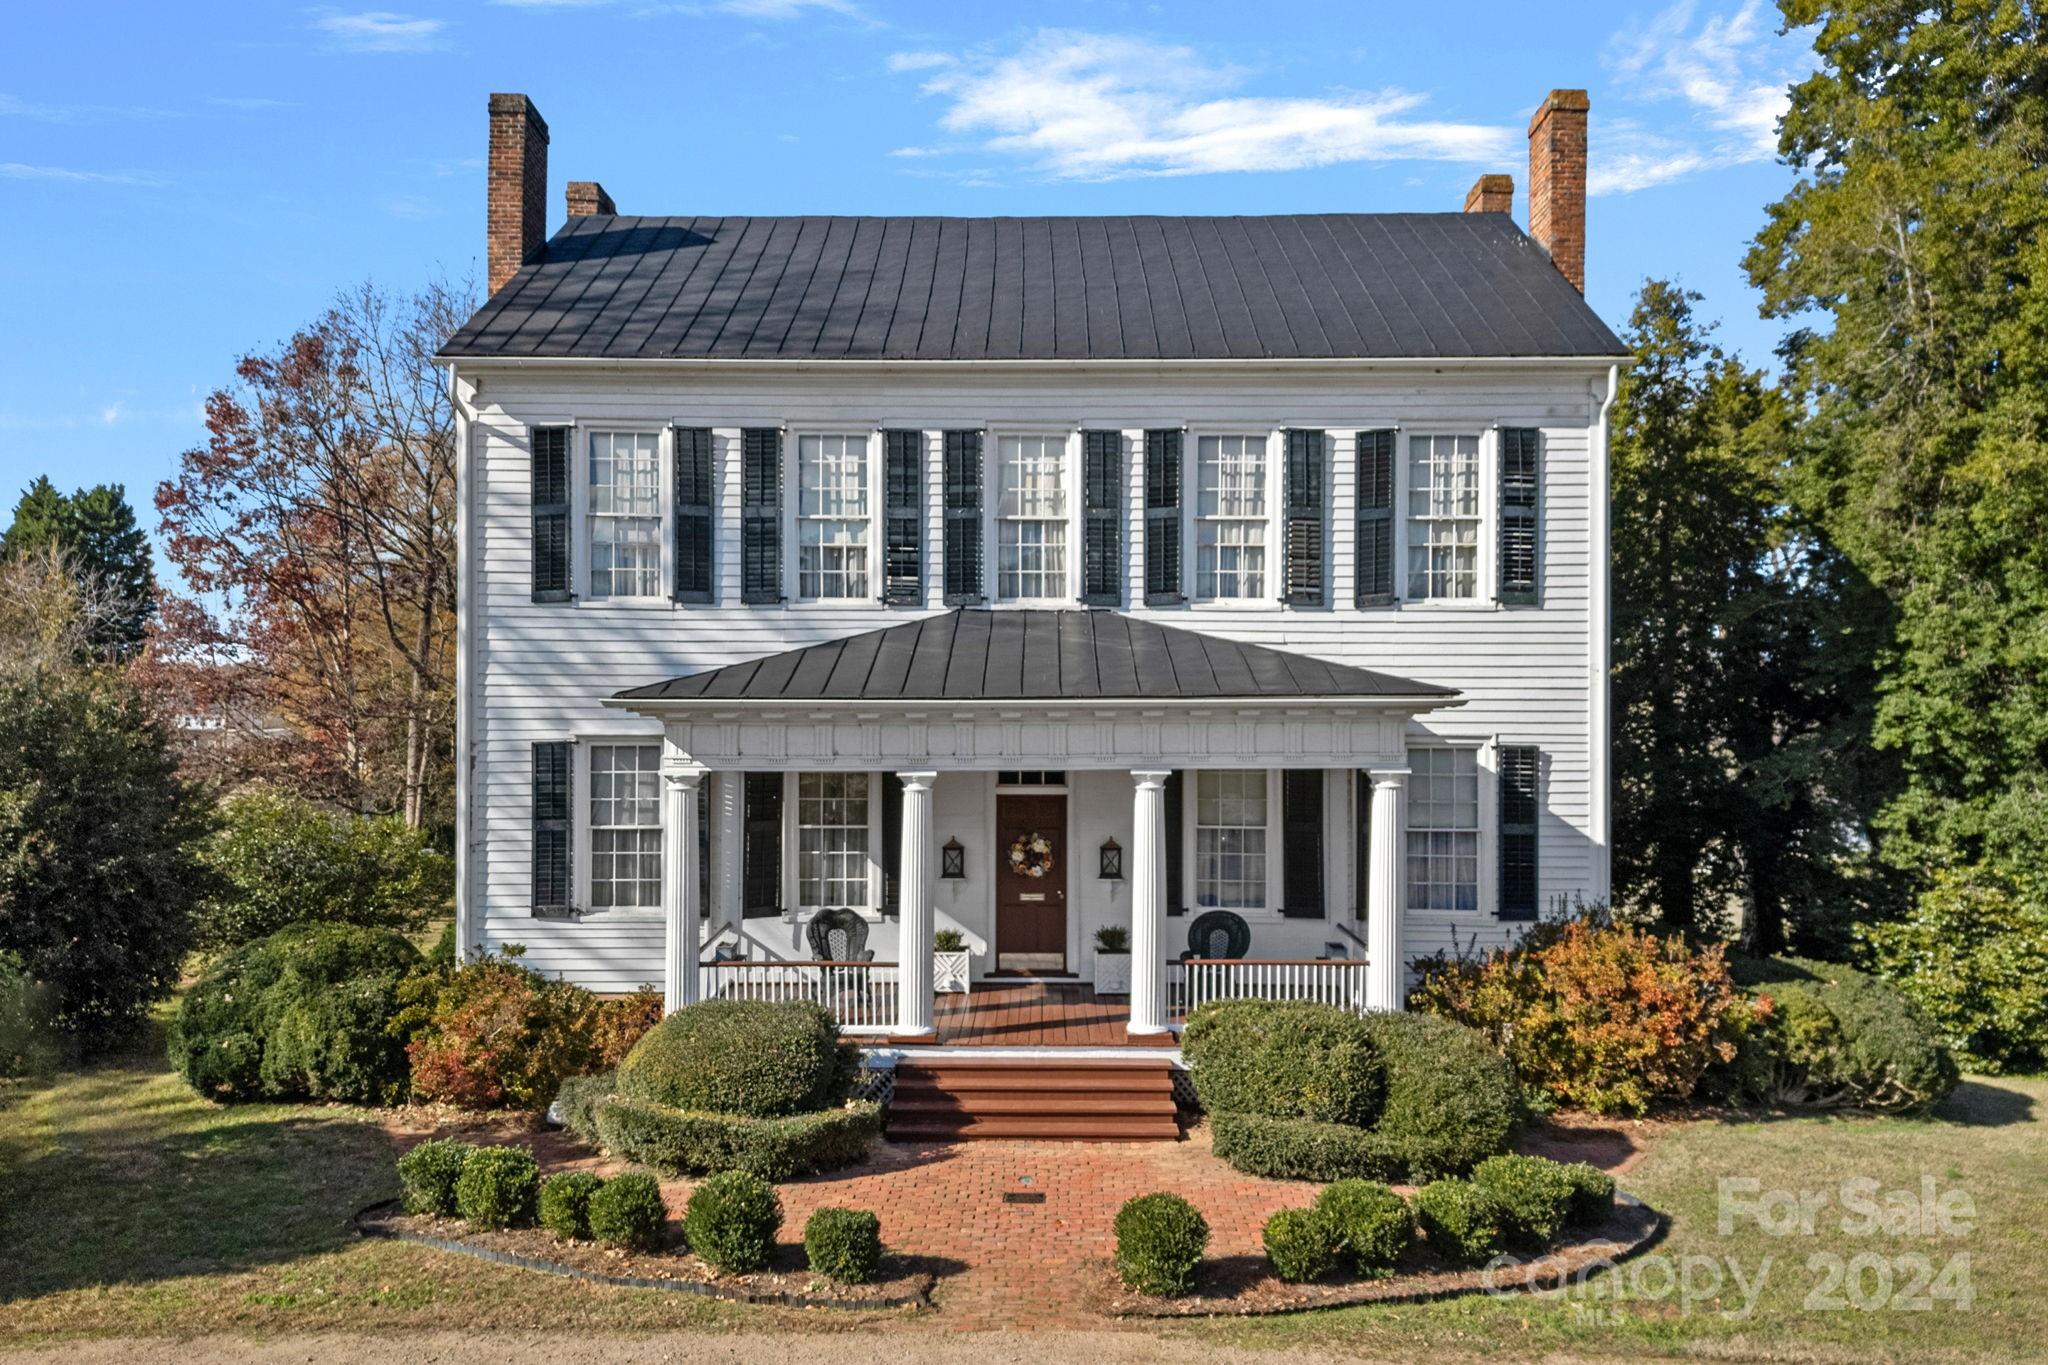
(861, 996)
(1325, 981)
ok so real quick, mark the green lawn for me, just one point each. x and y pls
(130, 1207)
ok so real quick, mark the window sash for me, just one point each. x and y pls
(1443, 829)
(834, 518)
(625, 826)
(624, 502)
(1031, 516)
(1443, 518)
(832, 841)
(1231, 518)
(1233, 814)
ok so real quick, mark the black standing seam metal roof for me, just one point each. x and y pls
(1289, 286)
(977, 654)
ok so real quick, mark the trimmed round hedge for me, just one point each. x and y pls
(1160, 1239)
(1465, 1224)
(1284, 1060)
(843, 1244)
(303, 1013)
(1374, 1224)
(1536, 1194)
(676, 1142)
(498, 1187)
(1452, 1101)
(628, 1211)
(427, 1175)
(744, 1057)
(565, 1203)
(1302, 1244)
(731, 1221)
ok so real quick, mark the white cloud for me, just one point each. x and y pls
(13, 106)
(16, 170)
(380, 31)
(1730, 72)
(1087, 106)
(789, 9)
(919, 61)
(110, 414)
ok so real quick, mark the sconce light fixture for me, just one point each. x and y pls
(953, 859)
(1112, 860)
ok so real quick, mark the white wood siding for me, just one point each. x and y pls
(538, 671)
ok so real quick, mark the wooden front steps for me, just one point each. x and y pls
(1077, 1101)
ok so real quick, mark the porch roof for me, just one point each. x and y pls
(977, 654)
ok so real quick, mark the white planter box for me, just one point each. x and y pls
(950, 971)
(1112, 973)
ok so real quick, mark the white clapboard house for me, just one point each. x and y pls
(1237, 582)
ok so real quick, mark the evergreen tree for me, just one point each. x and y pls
(95, 528)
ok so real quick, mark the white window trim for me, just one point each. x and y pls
(579, 825)
(1485, 590)
(1190, 486)
(579, 511)
(1485, 747)
(1276, 852)
(991, 520)
(792, 520)
(803, 914)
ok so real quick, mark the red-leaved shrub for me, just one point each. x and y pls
(493, 1034)
(620, 1024)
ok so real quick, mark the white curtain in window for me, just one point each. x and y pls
(625, 514)
(1443, 517)
(832, 516)
(1031, 518)
(1230, 517)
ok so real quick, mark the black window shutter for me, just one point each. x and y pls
(1162, 518)
(704, 855)
(1519, 766)
(1175, 904)
(696, 503)
(1301, 837)
(761, 852)
(551, 842)
(963, 519)
(1361, 835)
(903, 517)
(1375, 548)
(761, 515)
(1102, 525)
(1306, 548)
(1520, 481)
(892, 844)
(549, 448)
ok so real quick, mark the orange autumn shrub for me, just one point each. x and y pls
(1605, 1017)
(620, 1023)
(494, 1034)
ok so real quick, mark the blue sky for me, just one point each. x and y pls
(184, 183)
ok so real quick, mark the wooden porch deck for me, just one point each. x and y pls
(1036, 1014)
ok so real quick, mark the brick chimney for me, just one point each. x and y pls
(1491, 194)
(1557, 181)
(516, 192)
(587, 199)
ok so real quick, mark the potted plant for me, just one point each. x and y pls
(1112, 960)
(951, 961)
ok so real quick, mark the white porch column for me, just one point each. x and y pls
(682, 789)
(1148, 902)
(915, 924)
(1384, 890)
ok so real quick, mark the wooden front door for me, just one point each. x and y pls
(1031, 911)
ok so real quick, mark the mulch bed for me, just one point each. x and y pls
(787, 1281)
(1245, 1286)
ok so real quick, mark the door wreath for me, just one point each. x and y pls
(1031, 855)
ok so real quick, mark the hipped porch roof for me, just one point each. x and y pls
(977, 654)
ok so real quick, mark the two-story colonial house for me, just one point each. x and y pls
(1238, 582)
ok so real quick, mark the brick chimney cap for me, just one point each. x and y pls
(1495, 182)
(1562, 102)
(520, 104)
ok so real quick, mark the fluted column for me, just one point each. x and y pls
(1148, 902)
(682, 786)
(1385, 890)
(914, 926)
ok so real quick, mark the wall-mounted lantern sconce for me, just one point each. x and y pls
(1112, 861)
(953, 860)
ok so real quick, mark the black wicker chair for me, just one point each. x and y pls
(1218, 934)
(839, 936)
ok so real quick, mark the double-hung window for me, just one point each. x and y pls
(832, 841)
(1443, 518)
(1230, 517)
(625, 826)
(1231, 811)
(833, 520)
(625, 514)
(1443, 829)
(1031, 518)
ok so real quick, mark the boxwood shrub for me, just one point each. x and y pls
(628, 1211)
(1302, 1149)
(1283, 1059)
(843, 1244)
(1465, 1224)
(731, 1221)
(677, 1142)
(1452, 1101)
(1302, 1244)
(744, 1057)
(1592, 1194)
(565, 1203)
(576, 1103)
(1160, 1239)
(1834, 1038)
(1374, 1224)
(498, 1187)
(1535, 1193)
(428, 1173)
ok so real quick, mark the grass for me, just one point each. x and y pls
(128, 1206)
